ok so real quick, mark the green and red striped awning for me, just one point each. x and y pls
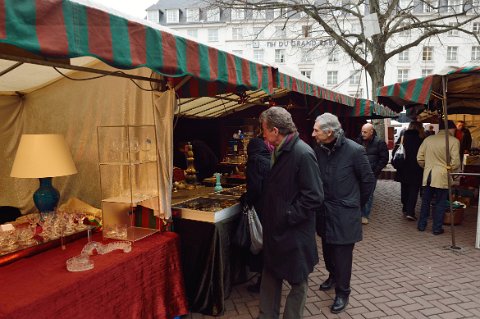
(463, 86)
(336, 103)
(68, 29)
(291, 83)
(362, 108)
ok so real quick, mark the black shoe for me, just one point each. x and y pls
(327, 284)
(339, 304)
(412, 218)
(421, 228)
(255, 288)
(438, 232)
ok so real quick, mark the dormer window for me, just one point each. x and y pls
(173, 15)
(238, 14)
(213, 15)
(193, 15)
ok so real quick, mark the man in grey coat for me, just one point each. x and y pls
(293, 196)
(348, 182)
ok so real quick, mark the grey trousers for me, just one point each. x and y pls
(271, 294)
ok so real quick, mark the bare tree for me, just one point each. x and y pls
(421, 19)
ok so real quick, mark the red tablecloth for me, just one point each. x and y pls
(145, 283)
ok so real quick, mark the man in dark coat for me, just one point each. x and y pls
(293, 197)
(348, 182)
(377, 153)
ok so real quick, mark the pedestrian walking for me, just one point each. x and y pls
(348, 182)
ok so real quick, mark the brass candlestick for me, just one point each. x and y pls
(190, 172)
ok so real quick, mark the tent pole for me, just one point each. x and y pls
(448, 158)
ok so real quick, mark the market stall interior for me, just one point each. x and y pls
(452, 91)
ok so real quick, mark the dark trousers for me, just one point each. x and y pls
(271, 294)
(409, 195)
(441, 197)
(338, 261)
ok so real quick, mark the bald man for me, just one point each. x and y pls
(377, 153)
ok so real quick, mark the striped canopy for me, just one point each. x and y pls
(68, 29)
(463, 91)
(333, 102)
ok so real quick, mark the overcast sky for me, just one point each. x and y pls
(134, 8)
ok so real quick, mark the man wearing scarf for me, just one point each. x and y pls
(293, 197)
(348, 182)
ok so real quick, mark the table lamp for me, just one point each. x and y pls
(43, 156)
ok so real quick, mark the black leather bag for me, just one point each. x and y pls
(241, 237)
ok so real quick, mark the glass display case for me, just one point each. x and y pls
(127, 157)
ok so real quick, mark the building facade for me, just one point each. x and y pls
(302, 45)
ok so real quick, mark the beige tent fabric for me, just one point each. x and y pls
(165, 104)
(74, 109)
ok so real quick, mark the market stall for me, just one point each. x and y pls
(70, 67)
(454, 91)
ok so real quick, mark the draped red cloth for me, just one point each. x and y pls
(145, 283)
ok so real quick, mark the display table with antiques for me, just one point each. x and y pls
(146, 282)
(211, 264)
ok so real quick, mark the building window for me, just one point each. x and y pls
(453, 32)
(405, 4)
(280, 32)
(259, 14)
(212, 35)
(237, 33)
(306, 30)
(475, 53)
(454, 6)
(355, 28)
(402, 75)
(258, 54)
(193, 15)
(306, 56)
(476, 28)
(406, 32)
(153, 16)
(403, 56)
(332, 77)
(279, 55)
(429, 6)
(173, 15)
(258, 32)
(427, 54)
(452, 53)
(306, 73)
(238, 52)
(213, 15)
(426, 72)
(355, 77)
(238, 14)
(193, 33)
(333, 56)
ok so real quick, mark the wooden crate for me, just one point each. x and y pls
(458, 216)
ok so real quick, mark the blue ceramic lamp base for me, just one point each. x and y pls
(46, 197)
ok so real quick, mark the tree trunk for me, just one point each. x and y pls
(376, 70)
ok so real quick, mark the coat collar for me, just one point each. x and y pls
(338, 144)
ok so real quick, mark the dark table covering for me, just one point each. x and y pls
(145, 283)
(211, 264)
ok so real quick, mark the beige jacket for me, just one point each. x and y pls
(431, 156)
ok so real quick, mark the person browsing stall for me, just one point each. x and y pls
(293, 196)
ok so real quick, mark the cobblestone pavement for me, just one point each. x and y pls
(398, 272)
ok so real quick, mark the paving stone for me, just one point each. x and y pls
(398, 272)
